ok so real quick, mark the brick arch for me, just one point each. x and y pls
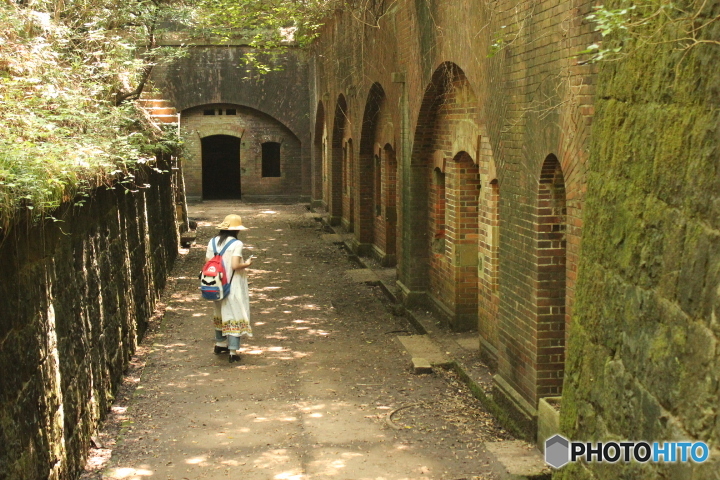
(319, 156)
(446, 133)
(335, 197)
(270, 138)
(368, 172)
(261, 111)
(232, 131)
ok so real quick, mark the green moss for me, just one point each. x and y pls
(640, 344)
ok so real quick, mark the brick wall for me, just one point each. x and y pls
(476, 258)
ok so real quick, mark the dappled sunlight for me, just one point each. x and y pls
(169, 346)
(196, 460)
(266, 419)
(333, 466)
(257, 271)
(273, 458)
(128, 473)
(285, 352)
(290, 475)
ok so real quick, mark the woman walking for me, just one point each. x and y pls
(232, 313)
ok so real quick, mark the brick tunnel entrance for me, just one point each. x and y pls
(220, 167)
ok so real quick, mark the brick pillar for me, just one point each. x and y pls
(336, 171)
(389, 203)
(318, 166)
(461, 227)
(488, 269)
(349, 187)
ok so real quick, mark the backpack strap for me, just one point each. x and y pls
(230, 242)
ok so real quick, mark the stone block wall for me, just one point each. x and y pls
(273, 106)
(643, 361)
(76, 299)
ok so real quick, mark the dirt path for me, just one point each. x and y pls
(323, 390)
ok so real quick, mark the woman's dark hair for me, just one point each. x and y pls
(224, 234)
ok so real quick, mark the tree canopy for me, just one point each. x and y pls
(69, 70)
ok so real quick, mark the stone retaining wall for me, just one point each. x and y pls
(643, 355)
(75, 298)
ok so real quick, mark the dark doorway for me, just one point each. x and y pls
(220, 167)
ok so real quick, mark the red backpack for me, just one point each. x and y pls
(214, 284)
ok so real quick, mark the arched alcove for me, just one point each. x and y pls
(370, 180)
(551, 229)
(446, 134)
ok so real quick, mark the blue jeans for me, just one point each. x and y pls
(233, 342)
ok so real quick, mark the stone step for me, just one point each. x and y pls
(165, 118)
(421, 347)
(151, 95)
(161, 111)
(518, 460)
(363, 275)
(154, 101)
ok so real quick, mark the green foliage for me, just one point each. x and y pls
(69, 69)
(272, 26)
(266, 23)
(63, 67)
(626, 26)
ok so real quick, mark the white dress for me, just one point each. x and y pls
(232, 313)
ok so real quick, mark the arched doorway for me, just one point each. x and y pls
(220, 167)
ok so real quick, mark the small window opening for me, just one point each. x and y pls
(271, 159)
(378, 187)
(231, 111)
(208, 112)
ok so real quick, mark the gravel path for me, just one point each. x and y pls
(323, 391)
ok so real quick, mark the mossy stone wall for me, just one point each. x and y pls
(76, 296)
(643, 360)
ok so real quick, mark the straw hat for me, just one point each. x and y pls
(231, 222)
